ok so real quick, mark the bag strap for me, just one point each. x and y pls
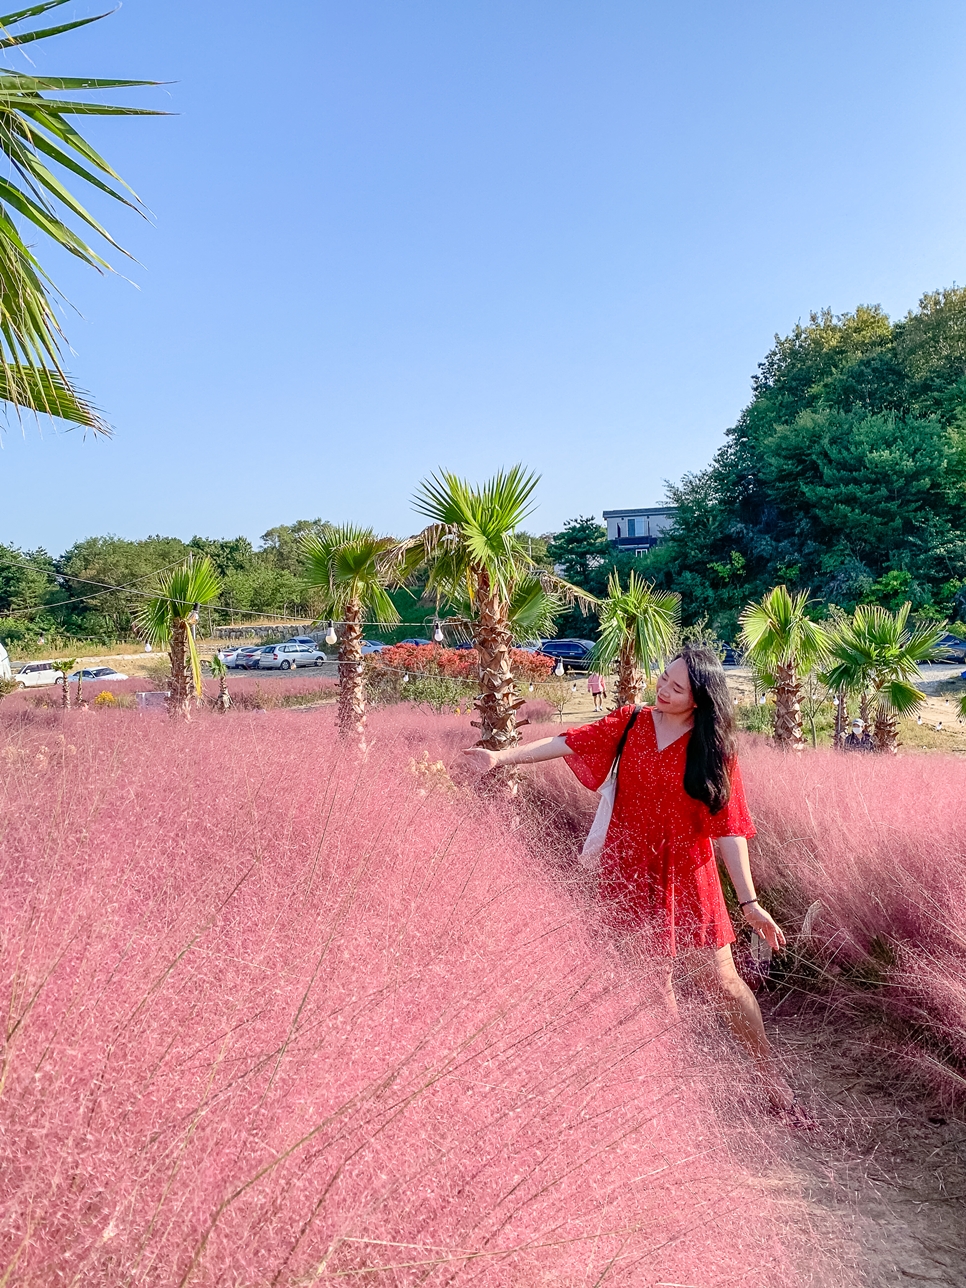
(620, 746)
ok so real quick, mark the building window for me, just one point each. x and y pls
(631, 528)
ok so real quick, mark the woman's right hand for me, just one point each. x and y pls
(482, 758)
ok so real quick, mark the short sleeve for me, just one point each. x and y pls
(595, 745)
(734, 819)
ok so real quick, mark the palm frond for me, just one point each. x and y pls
(776, 631)
(193, 582)
(351, 565)
(640, 620)
(34, 133)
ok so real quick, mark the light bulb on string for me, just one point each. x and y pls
(330, 635)
(359, 668)
(559, 668)
(531, 687)
(573, 687)
(405, 679)
(438, 634)
(763, 700)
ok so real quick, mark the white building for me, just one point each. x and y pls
(638, 530)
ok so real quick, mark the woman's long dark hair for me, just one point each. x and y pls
(712, 745)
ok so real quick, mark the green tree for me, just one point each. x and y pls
(579, 549)
(167, 620)
(93, 567)
(351, 570)
(784, 645)
(877, 654)
(42, 148)
(473, 550)
(639, 627)
(283, 546)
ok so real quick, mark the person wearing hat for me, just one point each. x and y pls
(858, 739)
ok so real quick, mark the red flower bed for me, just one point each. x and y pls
(459, 664)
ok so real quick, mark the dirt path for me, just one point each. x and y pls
(887, 1157)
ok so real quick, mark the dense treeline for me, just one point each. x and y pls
(844, 475)
(68, 596)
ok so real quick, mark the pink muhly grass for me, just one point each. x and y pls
(274, 1016)
(881, 843)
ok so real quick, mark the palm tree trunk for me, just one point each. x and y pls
(841, 719)
(179, 698)
(65, 696)
(630, 679)
(885, 733)
(80, 687)
(498, 700)
(788, 711)
(224, 697)
(352, 693)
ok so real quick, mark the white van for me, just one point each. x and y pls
(32, 675)
(4, 664)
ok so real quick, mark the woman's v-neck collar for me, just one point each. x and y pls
(657, 742)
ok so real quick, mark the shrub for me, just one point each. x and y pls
(281, 1017)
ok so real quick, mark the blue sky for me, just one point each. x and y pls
(389, 237)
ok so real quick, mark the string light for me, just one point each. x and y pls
(763, 700)
(330, 635)
(531, 687)
(438, 634)
(573, 687)
(559, 668)
(405, 679)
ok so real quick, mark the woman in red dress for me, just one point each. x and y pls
(679, 793)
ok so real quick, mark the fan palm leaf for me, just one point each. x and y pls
(163, 621)
(36, 135)
(784, 645)
(351, 569)
(876, 652)
(475, 556)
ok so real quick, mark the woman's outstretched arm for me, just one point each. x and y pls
(522, 754)
(734, 854)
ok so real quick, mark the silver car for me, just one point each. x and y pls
(285, 657)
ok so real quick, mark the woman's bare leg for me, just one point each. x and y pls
(715, 972)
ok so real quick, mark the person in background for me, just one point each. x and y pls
(597, 688)
(858, 739)
(679, 795)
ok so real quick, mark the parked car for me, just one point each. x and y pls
(414, 641)
(955, 648)
(372, 646)
(98, 673)
(731, 656)
(228, 655)
(305, 640)
(572, 653)
(285, 657)
(33, 675)
(246, 659)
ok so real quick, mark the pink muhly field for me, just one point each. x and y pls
(276, 1017)
(880, 843)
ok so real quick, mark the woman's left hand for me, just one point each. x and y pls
(765, 926)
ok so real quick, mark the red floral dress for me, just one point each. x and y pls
(657, 868)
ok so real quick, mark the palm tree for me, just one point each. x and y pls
(167, 620)
(877, 653)
(783, 644)
(474, 555)
(35, 132)
(638, 628)
(220, 671)
(352, 569)
(65, 667)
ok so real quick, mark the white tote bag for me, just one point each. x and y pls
(594, 844)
